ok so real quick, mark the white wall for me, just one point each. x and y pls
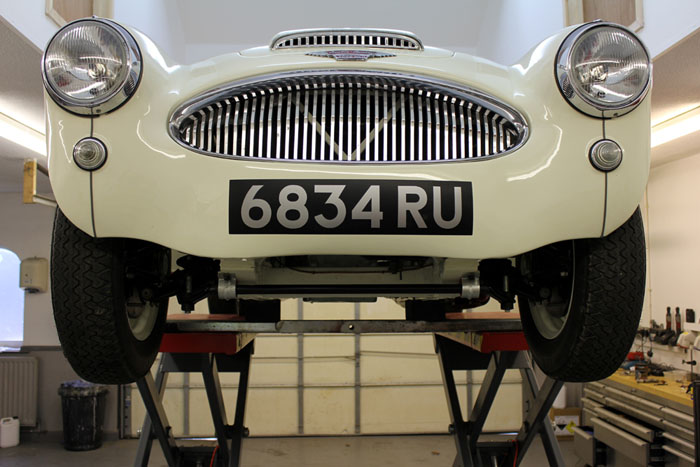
(26, 230)
(501, 30)
(443, 23)
(674, 236)
(159, 19)
(673, 241)
(193, 31)
(666, 23)
(29, 18)
(513, 27)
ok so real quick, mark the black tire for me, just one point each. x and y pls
(90, 289)
(598, 302)
(261, 311)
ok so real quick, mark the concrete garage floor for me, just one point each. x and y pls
(365, 451)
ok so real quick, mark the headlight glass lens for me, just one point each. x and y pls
(606, 67)
(89, 63)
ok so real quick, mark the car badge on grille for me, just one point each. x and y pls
(351, 55)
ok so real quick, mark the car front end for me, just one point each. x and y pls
(536, 188)
(348, 164)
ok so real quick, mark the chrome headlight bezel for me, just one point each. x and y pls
(119, 95)
(584, 102)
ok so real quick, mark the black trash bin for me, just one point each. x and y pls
(83, 414)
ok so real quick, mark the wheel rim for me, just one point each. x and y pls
(142, 319)
(552, 271)
(144, 265)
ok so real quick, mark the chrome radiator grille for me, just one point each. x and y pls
(348, 118)
(386, 39)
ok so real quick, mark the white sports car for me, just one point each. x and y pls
(347, 164)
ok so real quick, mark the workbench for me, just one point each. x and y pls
(637, 423)
(668, 389)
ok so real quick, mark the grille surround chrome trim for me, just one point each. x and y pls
(473, 96)
(412, 42)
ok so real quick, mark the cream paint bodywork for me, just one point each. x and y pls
(154, 189)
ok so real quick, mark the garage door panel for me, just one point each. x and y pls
(329, 310)
(197, 381)
(138, 412)
(322, 345)
(404, 410)
(407, 343)
(329, 411)
(175, 380)
(511, 376)
(289, 308)
(200, 415)
(271, 411)
(506, 414)
(275, 346)
(335, 371)
(383, 308)
(397, 369)
(173, 403)
(273, 373)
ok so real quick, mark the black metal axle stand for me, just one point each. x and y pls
(473, 449)
(156, 425)
(501, 450)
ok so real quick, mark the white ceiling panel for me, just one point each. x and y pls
(21, 97)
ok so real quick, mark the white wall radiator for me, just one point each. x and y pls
(19, 377)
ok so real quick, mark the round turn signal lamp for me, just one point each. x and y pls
(90, 153)
(606, 155)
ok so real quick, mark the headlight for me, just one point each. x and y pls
(91, 66)
(603, 70)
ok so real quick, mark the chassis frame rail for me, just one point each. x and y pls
(224, 323)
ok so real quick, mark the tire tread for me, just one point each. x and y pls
(83, 298)
(613, 303)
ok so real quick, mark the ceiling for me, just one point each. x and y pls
(676, 88)
(461, 28)
(676, 79)
(21, 90)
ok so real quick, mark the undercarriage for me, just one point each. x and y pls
(573, 296)
(454, 284)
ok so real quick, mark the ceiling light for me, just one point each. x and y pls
(19, 133)
(676, 127)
